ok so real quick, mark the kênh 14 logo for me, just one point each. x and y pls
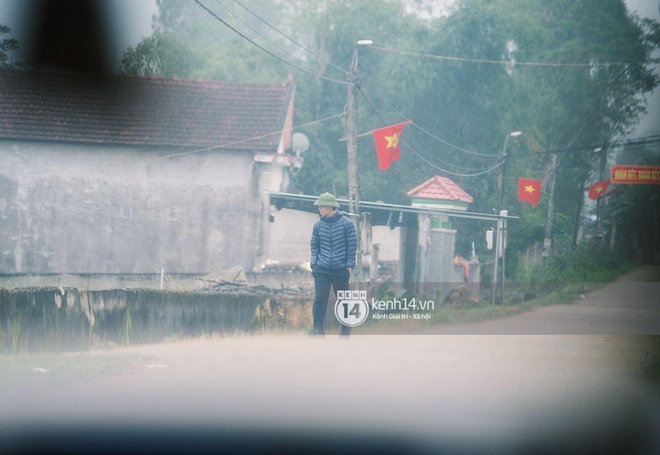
(352, 308)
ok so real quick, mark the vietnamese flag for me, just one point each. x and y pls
(387, 144)
(529, 190)
(597, 189)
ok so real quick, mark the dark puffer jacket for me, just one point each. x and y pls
(334, 243)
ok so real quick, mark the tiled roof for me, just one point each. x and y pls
(146, 111)
(440, 188)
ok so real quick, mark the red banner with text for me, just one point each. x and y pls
(636, 175)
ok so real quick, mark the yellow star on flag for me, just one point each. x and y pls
(599, 189)
(387, 144)
(392, 141)
(529, 189)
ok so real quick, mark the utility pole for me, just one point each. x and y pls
(500, 173)
(353, 182)
(498, 230)
(599, 209)
(547, 240)
(499, 235)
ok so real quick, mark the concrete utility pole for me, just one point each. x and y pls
(547, 240)
(499, 231)
(500, 174)
(353, 182)
(601, 176)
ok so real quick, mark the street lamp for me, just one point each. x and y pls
(353, 183)
(500, 177)
(499, 237)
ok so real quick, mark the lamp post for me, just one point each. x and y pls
(353, 183)
(500, 175)
(499, 237)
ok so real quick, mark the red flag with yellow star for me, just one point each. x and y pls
(598, 189)
(529, 190)
(387, 144)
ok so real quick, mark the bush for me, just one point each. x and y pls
(591, 261)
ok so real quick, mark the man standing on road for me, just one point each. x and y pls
(334, 244)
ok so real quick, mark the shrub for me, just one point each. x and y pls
(591, 261)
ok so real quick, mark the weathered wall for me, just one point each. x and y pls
(51, 319)
(291, 231)
(436, 250)
(91, 209)
(290, 234)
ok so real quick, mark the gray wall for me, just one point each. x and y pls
(52, 319)
(291, 232)
(435, 255)
(94, 209)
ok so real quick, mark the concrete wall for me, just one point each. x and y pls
(436, 253)
(289, 236)
(435, 273)
(440, 255)
(291, 230)
(91, 209)
(389, 241)
(53, 319)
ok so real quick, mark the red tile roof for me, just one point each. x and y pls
(440, 188)
(147, 111)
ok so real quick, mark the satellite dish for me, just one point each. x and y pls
(299, 143)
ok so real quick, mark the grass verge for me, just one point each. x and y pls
(451, 314)
(567, 293)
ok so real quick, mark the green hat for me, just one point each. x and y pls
(327, 200)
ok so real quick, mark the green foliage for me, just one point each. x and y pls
(222, 53)
(463, 100)
(161, 54)
(7, 45)
(592, 261)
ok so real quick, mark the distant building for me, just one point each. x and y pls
(415, 244)
(435, 239)
(120, 176)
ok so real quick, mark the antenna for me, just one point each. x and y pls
(299, 143)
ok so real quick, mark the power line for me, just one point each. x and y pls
(476, 174)
(498, 62)
(648, 141)
(639, 142)
(237, 17)
(455, 147)
(427, 160)
(463, 59)
(286, 62)
(175, 155)
(312, 53)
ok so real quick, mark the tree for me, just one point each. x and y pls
(7, 45)
(570, 75)
(569, 100)
(334, 30)
(633, 211)
(161, 54)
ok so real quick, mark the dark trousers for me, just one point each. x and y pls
(324, 281)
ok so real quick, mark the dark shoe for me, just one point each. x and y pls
(345, 331)
(316, 331)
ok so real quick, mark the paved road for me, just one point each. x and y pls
(620, 308)
(460, 393)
